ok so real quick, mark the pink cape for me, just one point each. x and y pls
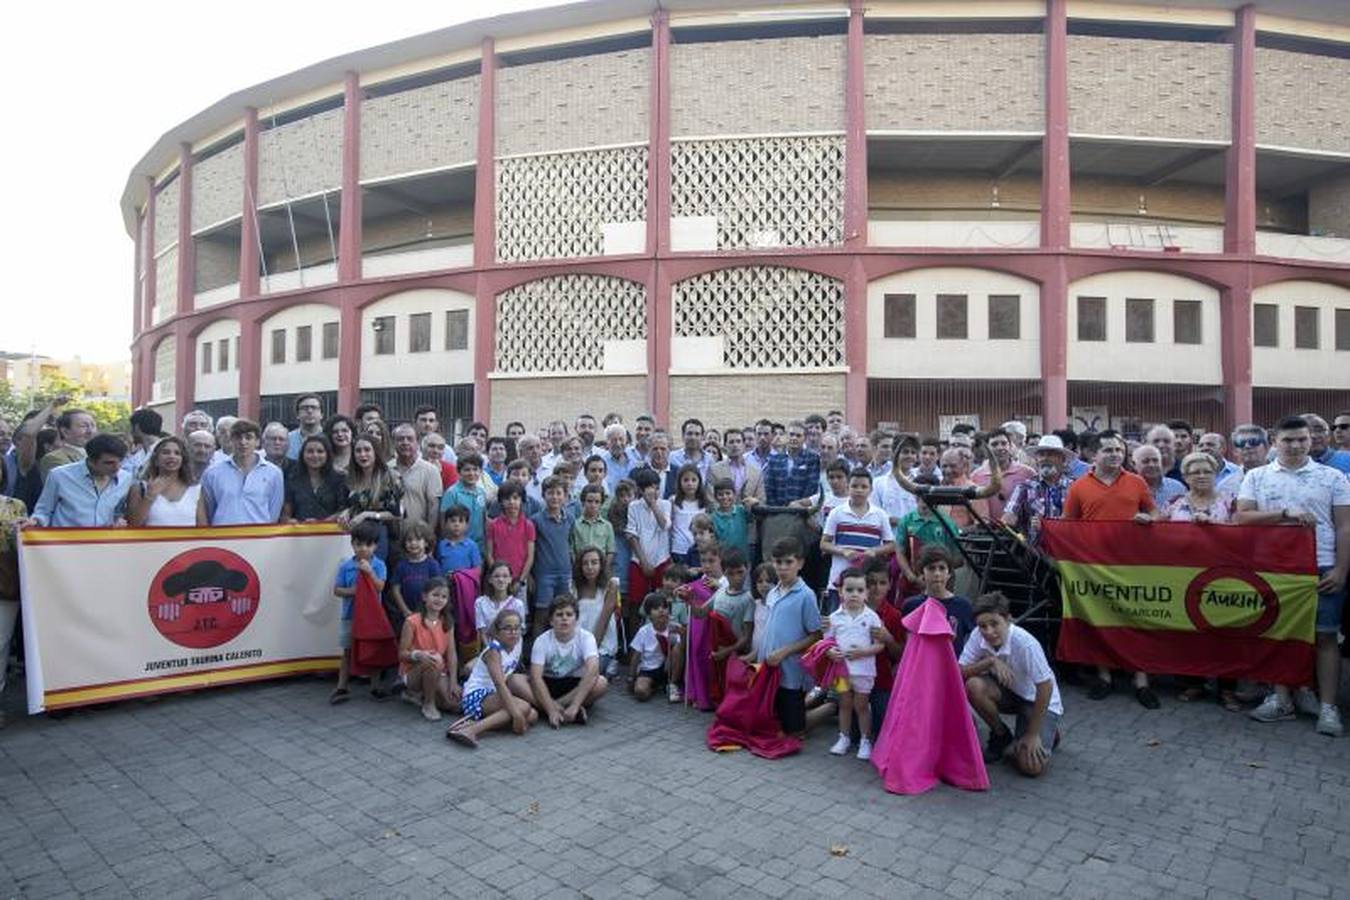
(928, 734)
(746, 716)
(698, 690)
(823, 670)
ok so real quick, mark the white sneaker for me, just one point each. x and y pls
(1329, 721)
(841, 745)
(1272, 710)
(1306, 702)
(673, 694)
(864, 749)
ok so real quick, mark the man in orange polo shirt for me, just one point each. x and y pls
(1109, 494)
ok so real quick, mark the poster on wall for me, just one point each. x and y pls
(1088, 418)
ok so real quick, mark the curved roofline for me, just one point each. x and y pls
(580, 13)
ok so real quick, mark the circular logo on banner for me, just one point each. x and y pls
(202, 598)
(1232, 600)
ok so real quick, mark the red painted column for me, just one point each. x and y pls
(1239, 232)
(1055, 219)
(349, 227)
(250, 281)
(139, 248)
(660, 313)
(349, 355)
(250, 367)
(855, 223)
(185, 368)
(485, 234)
(145, 376)
(151, 289)
(1235, 326)
(658, 140)
(187, 255)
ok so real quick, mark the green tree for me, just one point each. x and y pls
(109, 415)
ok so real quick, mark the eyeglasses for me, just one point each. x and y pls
(1249, 442)
(1340, 425)
(509, 628)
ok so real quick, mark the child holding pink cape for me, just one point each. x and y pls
(698, 678)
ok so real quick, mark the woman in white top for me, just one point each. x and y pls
(167, 496)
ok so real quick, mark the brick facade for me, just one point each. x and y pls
(403, 231)
(567, 104)
(218, 187)
(166, 283)
(300, 158)
(216, 264)
(1302, 100)
(538, 401)
(1329, 207)
(1148, 88)
(954, 82)
(738, 400)
(425, 128)
(768, 86)
(166, 216)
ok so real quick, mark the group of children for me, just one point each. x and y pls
(694, 602)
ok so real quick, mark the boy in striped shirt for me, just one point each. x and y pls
(855, 533)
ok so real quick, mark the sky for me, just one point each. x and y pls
(92, 86)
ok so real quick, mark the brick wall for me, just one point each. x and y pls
(1147, 88)
(165, 373)
(425, 128)
(1329, 207)
(218, 187)
(565, 104)
(166, 215)
(738, 400)
(166, 283)
(957, 82)
(300, 158)
(409, 228)
(217, 264)
(1302, 100)
(769, 86)
(538, 401)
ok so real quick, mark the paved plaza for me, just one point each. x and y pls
(267, 791)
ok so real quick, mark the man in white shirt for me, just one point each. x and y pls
(1294, 490)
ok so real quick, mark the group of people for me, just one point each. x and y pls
(613, 551)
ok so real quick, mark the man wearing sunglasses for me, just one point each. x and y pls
(1322, 451)
(1340, 431)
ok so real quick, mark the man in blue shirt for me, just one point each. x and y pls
(244, 488)
(86, 494)
(1322, 451)
(793, 625)
(309, 413)
(795, 473)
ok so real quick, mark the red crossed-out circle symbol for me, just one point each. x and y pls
(1270, 601)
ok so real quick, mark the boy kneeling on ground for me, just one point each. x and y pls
(1006, 672)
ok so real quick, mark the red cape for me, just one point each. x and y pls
(746, 716)
(373, 644)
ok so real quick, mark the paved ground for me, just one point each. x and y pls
(267, 791)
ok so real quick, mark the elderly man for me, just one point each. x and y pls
(1004, 451)
(1149, 464)
(1252, 447)
(275, 444)
(224, 442)
(309, 413)
(244, 489)
(1164, 440)
(433, 451)
(691, 454)
(1322, 451)
(620, 459)
(1213, 444)
(793, 474)
(1294, 490)
(421, 480)
(75, 428)
(1041, 497)
(658, 460)
(1108, 493)
(88, 493)
(201, 452)
(197, 420)
(530, 451)
(146, 428)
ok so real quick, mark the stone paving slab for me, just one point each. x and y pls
(267, 791)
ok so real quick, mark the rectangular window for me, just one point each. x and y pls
(899, 313)
(457, 329)
(304, 343)
(952, 321)
(278, 346)
(330, 340)
(419, 332)
(1186, 322)
(1138, 321)
(1265, 325)
(1092, 318)
(1005, 317)
(207, 350)
(1305, 328)
(384, 335)
(1343, 329)
(223, 355)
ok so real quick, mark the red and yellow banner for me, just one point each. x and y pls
(115, 613)
(1185, 599)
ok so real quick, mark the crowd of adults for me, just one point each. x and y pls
(60, 472)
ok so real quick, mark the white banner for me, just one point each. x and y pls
(115, 613)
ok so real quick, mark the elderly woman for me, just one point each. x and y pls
(1202, 502)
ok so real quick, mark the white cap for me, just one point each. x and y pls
(1053, 443)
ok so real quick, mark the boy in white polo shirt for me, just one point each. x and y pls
(1006, 672)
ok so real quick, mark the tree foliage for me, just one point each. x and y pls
(109, 415)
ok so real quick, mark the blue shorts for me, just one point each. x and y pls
(1329, 608)
(472, 704)
(548, 585)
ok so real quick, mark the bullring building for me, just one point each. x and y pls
(1105, 211)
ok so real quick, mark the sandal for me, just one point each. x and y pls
(339, 695)
(463, 738)
(1191, 694)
